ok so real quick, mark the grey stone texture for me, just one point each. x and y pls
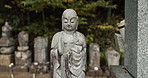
(94, 59)
(136, 57)
(112, 56)
(6, 41)
(23, 58)
(23, 55)
(7, 50)
(119, 43)
(23, 38)
(41, 49)
(6, 30)
(119, 72)
(68, 49)
(94, 55)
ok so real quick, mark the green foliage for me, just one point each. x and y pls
(43, 17)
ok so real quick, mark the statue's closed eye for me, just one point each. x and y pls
(65, 20)
(72, 20)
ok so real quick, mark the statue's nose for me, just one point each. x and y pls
(68, 23)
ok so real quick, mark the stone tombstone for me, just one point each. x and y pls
(68, 49)
(6, 41)
(136, 38)
(23, 38)
(119, 43)
(112, 56)
(94, 56)
(23, 55)
(41, 49)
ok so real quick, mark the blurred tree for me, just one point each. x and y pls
(43, 17)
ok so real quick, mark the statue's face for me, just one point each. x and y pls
(70, 21)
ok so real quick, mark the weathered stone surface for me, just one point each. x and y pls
(23, 38)
(22, 48)
(136, 57)
(23, 58)
(94, 56)
(41, 68)
(119, 72)
(6, 30)
(7, 50)
(7, 41)
(112, 56)
(6, 59)
(41, 49)
(68, 49)
(119, 43)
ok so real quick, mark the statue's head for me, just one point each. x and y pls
(69, 20)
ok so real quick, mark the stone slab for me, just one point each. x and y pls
(6, 59)
(119, 72)
(7, 50)
(136, 37)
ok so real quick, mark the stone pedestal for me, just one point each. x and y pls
(23, 58)
(40, 68)
(6, 59)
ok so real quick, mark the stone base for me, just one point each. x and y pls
(40, 68)
(23, 58)
(18, 69)
(6, 59)
(95, 73)
(119, 72)
(4, 69)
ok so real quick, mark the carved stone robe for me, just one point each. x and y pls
(68, 55)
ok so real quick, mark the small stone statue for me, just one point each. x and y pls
(68, 49)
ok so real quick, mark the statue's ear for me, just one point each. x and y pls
(77, 22)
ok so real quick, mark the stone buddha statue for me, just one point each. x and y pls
(68, 49)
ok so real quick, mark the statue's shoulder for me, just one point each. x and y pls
(57, 34)
(79, 34)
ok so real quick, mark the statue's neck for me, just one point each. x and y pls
(69, 32)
